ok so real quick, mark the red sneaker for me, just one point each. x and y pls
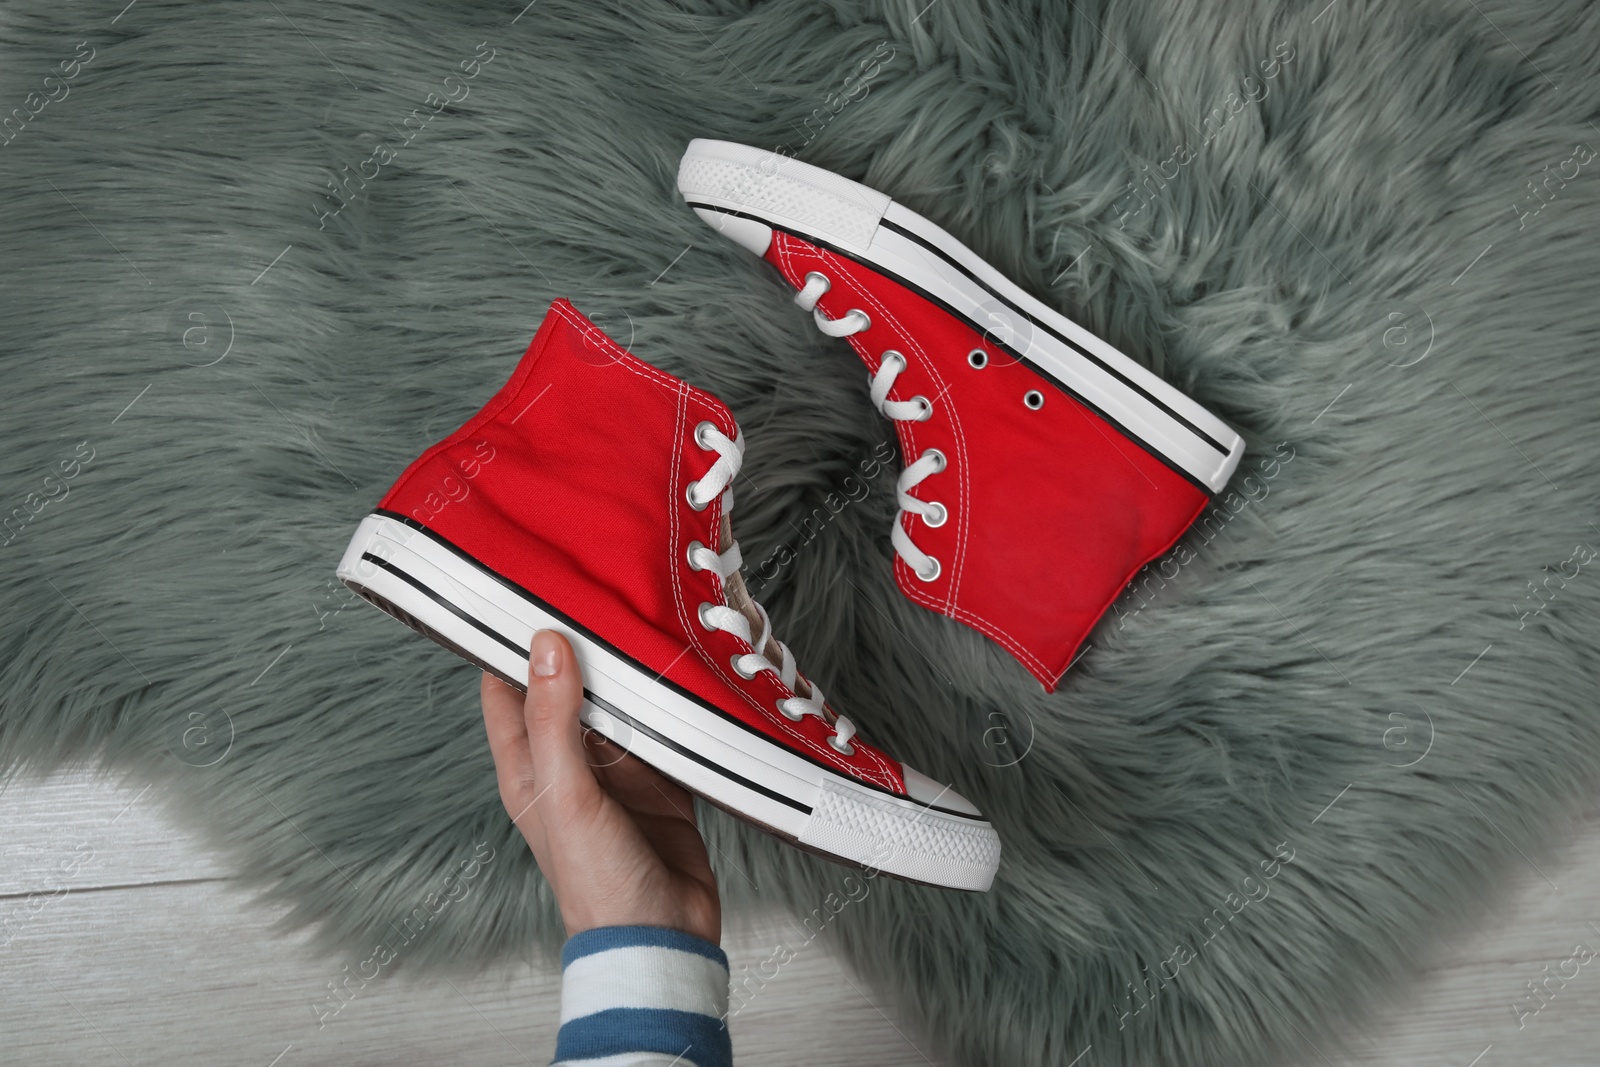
(585, 497)
(1045, 467)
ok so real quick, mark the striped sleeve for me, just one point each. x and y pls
(643, 996)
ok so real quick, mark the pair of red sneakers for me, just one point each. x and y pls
(591, 495)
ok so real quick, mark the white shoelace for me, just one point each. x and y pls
(719, 481)
(917, 409)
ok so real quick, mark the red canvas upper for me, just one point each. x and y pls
(1051, 512)
(571, 483)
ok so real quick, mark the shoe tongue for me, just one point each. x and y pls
(739, 599)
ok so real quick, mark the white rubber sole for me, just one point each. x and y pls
(444, 594)
(747, 192)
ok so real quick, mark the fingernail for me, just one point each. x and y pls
(544, 654)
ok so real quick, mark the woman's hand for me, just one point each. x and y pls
(617, 841)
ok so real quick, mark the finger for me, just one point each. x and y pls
(562, 777)
(639, 787)
(507, 729)
(603, 753)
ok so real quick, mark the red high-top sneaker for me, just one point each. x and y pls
(586, 498)
(1044, 468)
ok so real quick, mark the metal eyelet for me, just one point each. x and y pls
(864, 316)
(699, 434)
(904, 363)
(943, 463)
(818, 274)
(844, 748)
(932, 573)
(689, 555)
(978, 359)
(733, 661)
(785, 712)
(942, 512)
(1033, 399)
(703, 620)
(688, 494)
(927, 407)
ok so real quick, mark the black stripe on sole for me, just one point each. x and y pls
(657, 677)
(1085, 353)
(1018, 356)
(390, 608)
(599, 702)
(425, 590)
(732, 776)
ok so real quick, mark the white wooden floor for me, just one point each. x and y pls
(148, 957)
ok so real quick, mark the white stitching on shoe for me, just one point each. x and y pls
(817, 284)
(718, 483)
(784, 245)
(712, 407)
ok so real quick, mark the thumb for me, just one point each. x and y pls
(565, 786)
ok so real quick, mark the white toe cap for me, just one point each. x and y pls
(925, 790)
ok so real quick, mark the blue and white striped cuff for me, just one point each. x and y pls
(643, 996)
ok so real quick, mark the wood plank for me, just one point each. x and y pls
(83, 828)
(184, 974)
(152, 958)
(1462, 1009)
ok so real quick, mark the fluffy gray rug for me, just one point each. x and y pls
(256, 256)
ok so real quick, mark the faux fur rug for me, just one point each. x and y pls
(255, 256)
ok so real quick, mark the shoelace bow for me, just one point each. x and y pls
(917, 409)
(719, 481)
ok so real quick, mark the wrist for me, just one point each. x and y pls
(699, 918)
